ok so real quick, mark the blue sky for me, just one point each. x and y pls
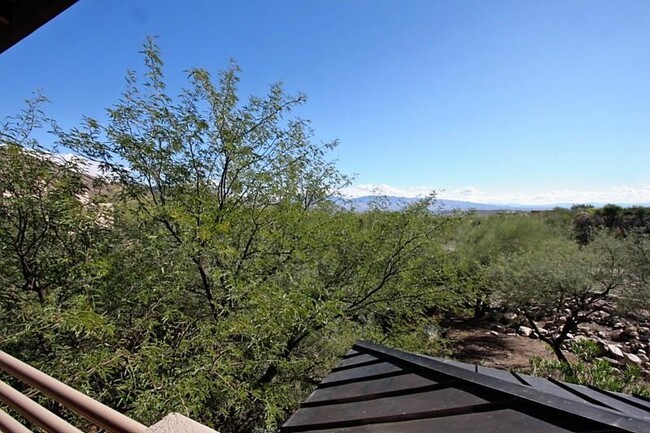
(500, 101)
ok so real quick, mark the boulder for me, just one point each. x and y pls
(525, 331)
(432, 331)
(615, 351)
(632, 359)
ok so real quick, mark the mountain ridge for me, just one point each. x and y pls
(363, 203)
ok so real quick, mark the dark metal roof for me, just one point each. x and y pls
(377, 389)
(19, 18)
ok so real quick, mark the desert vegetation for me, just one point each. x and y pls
(206, 269)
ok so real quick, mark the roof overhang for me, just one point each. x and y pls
(19, 18)
(375, 389)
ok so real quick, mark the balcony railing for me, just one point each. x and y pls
(97, 413)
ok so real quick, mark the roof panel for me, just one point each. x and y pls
(370, 388)
(545, 385)
(355, 360)
(405, 392)
(361, 373)
(415, 405)
(603, 399)
(499, 374)
(498, 421)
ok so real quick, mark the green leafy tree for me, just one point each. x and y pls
(44, 227)
(230, 280)
(565, 282)
(482, 241)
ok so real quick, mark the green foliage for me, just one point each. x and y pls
(598, 373)
(621, 221)
(587, 350)
(568, 283)
(222, 282)
(483, 241)
(206, 270)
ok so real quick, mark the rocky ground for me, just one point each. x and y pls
(506, 341)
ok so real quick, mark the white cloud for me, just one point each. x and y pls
(382, 189)
(89, 167)
(617, 194)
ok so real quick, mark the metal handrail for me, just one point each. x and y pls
(10, 425)
(34, 412)
(96, 412)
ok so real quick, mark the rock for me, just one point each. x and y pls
(641, 352)
(608, 308)
(495, 333)
(615, 351)
(601, 334)
(636, 345)
(525, 331)
(643, 357)
(570, 336)
(498, 328)
(618, 325)
(617, 335)
(629, 328)
(632, 359)
(632, 334)
(432, 331)
(508, 317)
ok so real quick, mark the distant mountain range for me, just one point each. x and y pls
(362, 204)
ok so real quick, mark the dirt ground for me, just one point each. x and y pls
(472, 342)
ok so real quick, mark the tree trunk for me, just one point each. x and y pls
(480, 307)
(557, 349)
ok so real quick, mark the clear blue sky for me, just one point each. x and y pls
(516, 99)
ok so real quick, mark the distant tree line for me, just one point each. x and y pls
(588, 220)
